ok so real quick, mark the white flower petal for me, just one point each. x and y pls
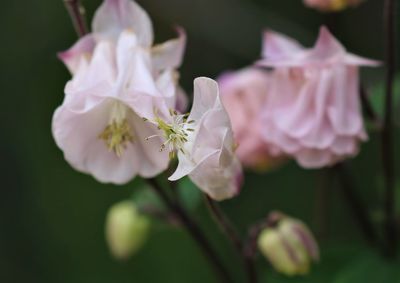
(113, 16)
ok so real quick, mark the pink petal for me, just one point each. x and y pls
(170, 53)
(277, 46)
(313, 158)
(114, 16)
(344, 112)
(77, 135)
(72, 57)
(345, 146)
(326, 47)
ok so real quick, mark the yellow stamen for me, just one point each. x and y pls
(175, 133)
(118, 133)
(117, 136)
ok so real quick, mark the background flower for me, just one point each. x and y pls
(244, 94)
(331, 5)
(313, 112)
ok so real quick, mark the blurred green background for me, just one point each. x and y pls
(52, 217)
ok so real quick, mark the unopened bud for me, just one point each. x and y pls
(126, 229)
(288, 245)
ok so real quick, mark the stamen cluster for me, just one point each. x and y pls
(175, 133)
(118, 133)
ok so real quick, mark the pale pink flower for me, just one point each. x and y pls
(331, 5)
(313, 110)
(244, 94)
(118, 79)
(204, 142)
(116, 16)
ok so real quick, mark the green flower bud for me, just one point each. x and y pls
(288, 245)
(126, 229)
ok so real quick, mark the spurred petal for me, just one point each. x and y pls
(72, 57)
(277, 46)
(114, 16)
(170, 53)
(355, 60)
(95, 78)
(326, 47)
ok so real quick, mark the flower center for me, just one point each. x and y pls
(118, 133)
(175, 133)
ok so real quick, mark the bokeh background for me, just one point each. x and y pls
(52, 217)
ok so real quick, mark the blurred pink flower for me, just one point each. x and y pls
(331, 5)
(313, 110)
(205, 144)
(118, 79)
(243, 94)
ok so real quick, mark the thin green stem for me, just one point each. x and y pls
(194, 230)
(355, 203)
(233, 236)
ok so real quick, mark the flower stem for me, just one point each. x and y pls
(356, 205)
(387, 131)
(77, 14)
(231, 233)
(194, 230)
(368, 108)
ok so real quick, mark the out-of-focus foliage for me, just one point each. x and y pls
(52, 218)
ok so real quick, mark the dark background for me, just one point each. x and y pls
(52, 217)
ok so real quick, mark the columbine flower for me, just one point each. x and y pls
(244, 94)
(331, 5)
(313, 110)
(288, 245)
(118, 78)
(204, 142)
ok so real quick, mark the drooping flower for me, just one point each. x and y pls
(313, 110)
(126, 229)
(331, 5)
(204, 143)
(243, 94)
(118, 78)
(288, 245)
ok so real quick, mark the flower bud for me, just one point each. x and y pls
(331, 5)
(288, 245)
(126, 229)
